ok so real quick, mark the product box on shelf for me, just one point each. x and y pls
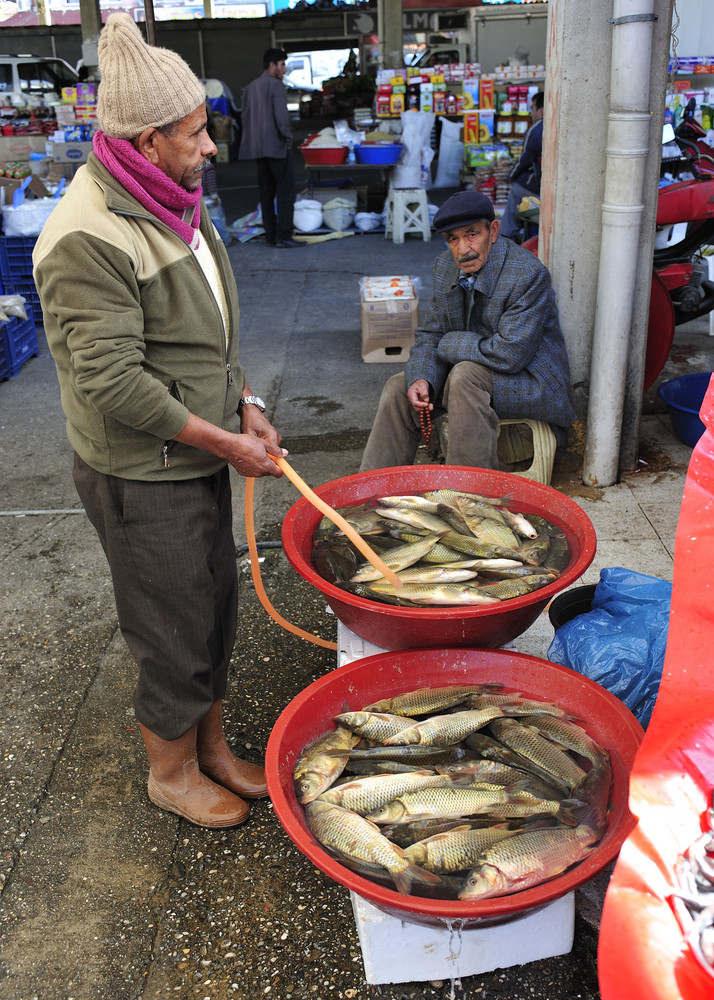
(487, 92)
(71, 152)
(19, 147)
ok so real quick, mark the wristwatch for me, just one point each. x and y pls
(252, 401)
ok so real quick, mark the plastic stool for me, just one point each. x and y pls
(407, 212)
(515, 446)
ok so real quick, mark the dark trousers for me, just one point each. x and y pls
(276, 186)
(171, 554)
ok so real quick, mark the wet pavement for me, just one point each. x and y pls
(104, 897)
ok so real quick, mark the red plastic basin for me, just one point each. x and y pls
(351, 687)
(392, 627)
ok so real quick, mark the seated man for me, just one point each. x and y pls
(526, 174)
(490, 347)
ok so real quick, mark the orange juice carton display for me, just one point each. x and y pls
(486, 92)
(478, 126)
(470, 94)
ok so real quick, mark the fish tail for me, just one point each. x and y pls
(415, 873)
(569, 811)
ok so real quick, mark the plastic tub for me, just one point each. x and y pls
(311, 713)
(574, 602)
(392, 627)
(383, 154)
(322, 156)
(683, 398)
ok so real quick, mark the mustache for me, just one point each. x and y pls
(467, 258)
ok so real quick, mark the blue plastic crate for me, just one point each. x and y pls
(16, 257)
(18, 343)
(29, 292)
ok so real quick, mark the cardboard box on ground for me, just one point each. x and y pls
(388, 329)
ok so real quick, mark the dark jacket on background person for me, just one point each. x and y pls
(527, 170)
(266, 126)
(509, 323)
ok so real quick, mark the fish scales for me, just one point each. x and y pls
(537, 749)
(376, 726)
(455, 850)
(527, 859)
(426, 699)
(351, 834)
(442, 802)
(321, 762)
(363, 795)
(446, 730)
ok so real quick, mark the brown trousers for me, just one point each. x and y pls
(473, 423)
(171, 554)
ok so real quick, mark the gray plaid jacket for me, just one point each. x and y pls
(509, 323)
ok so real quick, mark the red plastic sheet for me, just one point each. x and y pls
(642, 951)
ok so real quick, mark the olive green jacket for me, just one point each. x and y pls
(135, 331)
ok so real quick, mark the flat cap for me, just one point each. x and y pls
(463, 208)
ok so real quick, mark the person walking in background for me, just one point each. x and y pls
(141, 316)
(268, 139)
(526, 174)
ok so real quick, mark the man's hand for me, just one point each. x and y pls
(248, 452)
(418, 395)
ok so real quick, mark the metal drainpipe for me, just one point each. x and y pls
(626, 157)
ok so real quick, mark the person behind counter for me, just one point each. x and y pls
(141, 316)
(525, 176)
(490, 347)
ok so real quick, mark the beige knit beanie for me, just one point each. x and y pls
(141, 85)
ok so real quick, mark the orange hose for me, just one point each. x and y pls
(339, 520)
(258, 582)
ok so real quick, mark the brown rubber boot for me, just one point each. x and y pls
(216, 759)
(177, 785)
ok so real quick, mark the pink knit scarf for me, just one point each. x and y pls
(150, 186)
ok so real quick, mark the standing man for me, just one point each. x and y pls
(268, 139)
(526, 174)
(490, 347)
(141, 316)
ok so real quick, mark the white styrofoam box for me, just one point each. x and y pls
(398, 951)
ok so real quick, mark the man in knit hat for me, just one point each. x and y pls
(141, 316)
(267, 138)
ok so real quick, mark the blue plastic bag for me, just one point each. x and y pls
(620, 644)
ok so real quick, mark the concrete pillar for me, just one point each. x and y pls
(575, 131)
(44, 14)
(389, 27)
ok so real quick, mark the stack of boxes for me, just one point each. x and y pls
(76, 117)
(495, 109)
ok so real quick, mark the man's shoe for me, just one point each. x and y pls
(284, 244)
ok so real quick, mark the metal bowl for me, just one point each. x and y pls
(359, 683)
(392, 627)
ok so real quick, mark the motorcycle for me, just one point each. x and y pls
(681, 290)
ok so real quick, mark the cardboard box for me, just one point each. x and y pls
(71, 152)
(388, 329)
(19, 147)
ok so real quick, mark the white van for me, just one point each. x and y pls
(33, 81)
